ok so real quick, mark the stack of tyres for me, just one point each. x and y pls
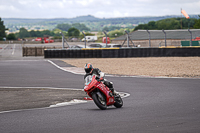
(192, 51)
(129, 52)
(120, 53)
(59, 53)
(134, 52)
(154, 52)
(78, 53)
(110, 53)
(145, 52)
(52, 55)
(99, 53)
(46, 53)
(151, 52)
(140, 52)
(124, 53)
(90, 53)
(195, 51)
(82, 52)
(70, 54)
(74, 53)
(86, 53)
(94, 53)
(163, 52)
(113, 53)
(105, 53)
(116, 52)
(63, 53)
(67, 53)
(180, 52)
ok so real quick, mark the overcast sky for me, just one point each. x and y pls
(97, 8)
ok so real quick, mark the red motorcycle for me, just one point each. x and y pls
(101, 94)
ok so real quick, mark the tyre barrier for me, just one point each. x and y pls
(122, 52)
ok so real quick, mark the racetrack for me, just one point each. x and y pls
(155, 104)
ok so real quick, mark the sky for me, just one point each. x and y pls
(97, 8)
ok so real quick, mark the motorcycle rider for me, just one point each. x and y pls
(90, 71)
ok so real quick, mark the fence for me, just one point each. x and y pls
(156, 38)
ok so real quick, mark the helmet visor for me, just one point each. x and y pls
(87, 70)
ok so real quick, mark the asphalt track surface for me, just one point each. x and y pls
(155, 105)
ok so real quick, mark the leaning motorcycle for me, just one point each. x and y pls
(101, 94)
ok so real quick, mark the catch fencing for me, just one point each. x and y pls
(157, 38)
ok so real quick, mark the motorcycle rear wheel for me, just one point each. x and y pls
(99, 101)
(118, 101)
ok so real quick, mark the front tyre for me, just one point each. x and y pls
(118, 101)
(99, 100)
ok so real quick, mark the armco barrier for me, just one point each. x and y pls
(122, 52)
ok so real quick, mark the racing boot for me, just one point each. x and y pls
(113, 91)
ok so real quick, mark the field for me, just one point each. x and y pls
(163, 66)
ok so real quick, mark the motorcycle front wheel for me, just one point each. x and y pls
(99, 100)
(118, 101)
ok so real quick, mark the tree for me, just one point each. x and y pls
(116, 33)
(105, 29)
(167, 24)
(197, 23)
(33, 33)
(64, 27)
(11, 36)
(73, 32)
(2, 30)
(81, 27)
(23, 33)
(152, 25)
(86, 34)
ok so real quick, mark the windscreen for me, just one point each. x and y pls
(88, 79)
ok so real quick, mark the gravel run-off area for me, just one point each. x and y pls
(151, 66)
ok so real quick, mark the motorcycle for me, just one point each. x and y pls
(100, 93)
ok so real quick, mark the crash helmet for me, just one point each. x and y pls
(88, 68)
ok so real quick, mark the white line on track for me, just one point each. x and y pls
(13, 49)
(5, 87)
(60, 104)
(76, 70)
(72, 102)
(57, 66)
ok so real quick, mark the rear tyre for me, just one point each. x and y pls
(118, 101)
(100, 101)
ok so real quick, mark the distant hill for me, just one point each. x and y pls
(94, 23)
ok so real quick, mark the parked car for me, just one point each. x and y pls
(74, 39)
(97, 45)
(78, 46)
(103, 45)
(114, 45)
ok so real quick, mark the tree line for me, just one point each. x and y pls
(66, 27)
(74, 30)
(170, 23)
